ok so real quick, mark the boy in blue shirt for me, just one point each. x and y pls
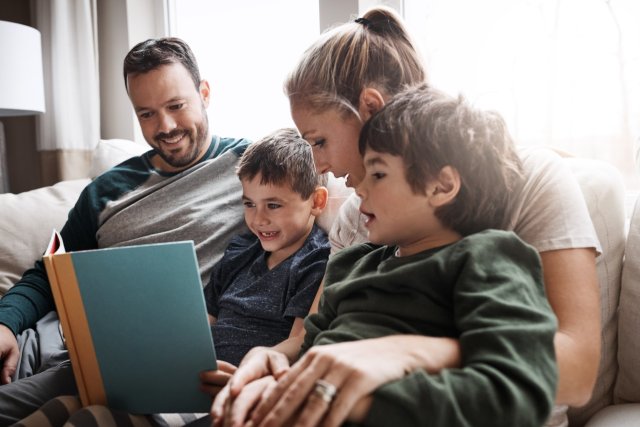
(264, 285)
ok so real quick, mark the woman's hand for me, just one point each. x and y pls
(354, 370)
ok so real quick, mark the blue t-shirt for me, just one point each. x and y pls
(255, 306)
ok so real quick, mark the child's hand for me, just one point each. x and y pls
(234, 412)
(260, 365)
(213, 381)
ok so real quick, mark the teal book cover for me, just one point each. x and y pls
(135, 323)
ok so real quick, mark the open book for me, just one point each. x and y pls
(135, 324)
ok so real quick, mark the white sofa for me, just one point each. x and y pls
(26, 221)
(27, 217)
(624, 411)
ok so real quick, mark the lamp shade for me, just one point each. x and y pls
(21, 83)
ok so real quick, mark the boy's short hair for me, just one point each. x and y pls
(429, 130)
(281, 157)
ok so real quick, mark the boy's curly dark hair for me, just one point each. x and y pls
(430, 130)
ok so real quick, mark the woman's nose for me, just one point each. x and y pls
(320, 160)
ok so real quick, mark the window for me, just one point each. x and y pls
(245, 50)
(563, 73)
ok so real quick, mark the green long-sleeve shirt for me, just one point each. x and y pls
(485, 290)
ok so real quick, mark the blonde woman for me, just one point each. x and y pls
(344, 78)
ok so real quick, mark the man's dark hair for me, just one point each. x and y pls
(153, 53)
(429, 130)
(281, 157)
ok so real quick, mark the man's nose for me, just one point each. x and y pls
(166, 123)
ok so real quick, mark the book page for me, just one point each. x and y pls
(55, 246)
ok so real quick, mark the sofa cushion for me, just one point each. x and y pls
(628, 381)
(110, 152)
(27, 219)
(617, 416)
(603, 189)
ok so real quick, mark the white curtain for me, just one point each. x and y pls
(4, 172)
(70, 128)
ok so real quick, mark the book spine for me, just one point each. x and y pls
(75, 327)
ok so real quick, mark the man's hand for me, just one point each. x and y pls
(9, 354)
(213, 381)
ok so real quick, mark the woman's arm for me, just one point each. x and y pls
(552, 215)
(572, 290)
(356, 369)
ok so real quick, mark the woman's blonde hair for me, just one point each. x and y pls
(372, 51)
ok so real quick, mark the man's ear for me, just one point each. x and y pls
(445, 187)
(205, 92)
(320, 197)
(370, 102)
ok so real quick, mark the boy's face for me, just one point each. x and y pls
(172, 115)
(278, 216)
(395, 214)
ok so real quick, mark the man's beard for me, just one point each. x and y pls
(181, 160)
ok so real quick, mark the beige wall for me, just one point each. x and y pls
(121, 25)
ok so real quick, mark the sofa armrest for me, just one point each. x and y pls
(628, 381)
(616, 416)
(603, 189)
